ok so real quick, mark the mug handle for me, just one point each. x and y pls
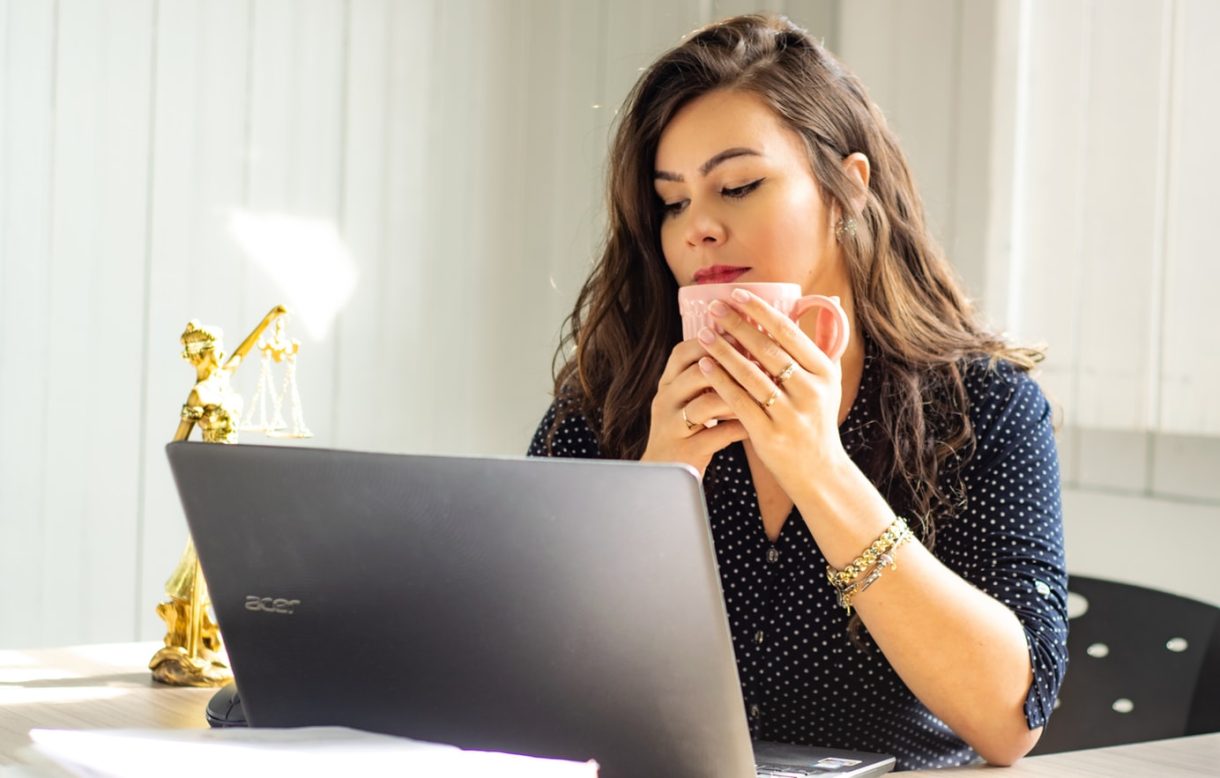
(833, 316)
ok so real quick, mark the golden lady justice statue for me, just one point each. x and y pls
(193, 655)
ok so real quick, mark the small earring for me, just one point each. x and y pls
(845, 227)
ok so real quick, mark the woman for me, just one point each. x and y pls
(748, 153)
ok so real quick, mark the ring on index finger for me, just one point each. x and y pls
(690, 425)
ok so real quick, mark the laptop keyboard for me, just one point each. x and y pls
(827, 766)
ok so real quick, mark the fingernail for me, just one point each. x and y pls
(740, 295)
(717, 308)
(705, 364)
(707, 336)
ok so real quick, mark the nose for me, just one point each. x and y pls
(703, 227)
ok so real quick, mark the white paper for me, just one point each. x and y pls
(102, 753)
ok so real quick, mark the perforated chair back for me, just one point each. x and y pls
(1143, 665)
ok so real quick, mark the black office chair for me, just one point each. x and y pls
(1143, 665)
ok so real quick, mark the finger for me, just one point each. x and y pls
(707, 406)
(686, 426)
(711, 439)
(690, 384)
(743, 405)
(744, 372)
(683, 356)
(764, 348)
(787, 333)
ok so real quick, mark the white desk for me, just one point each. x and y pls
(88, 687)
(1193, 756)
(91, 687)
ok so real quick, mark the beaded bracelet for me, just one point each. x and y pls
(887, 540)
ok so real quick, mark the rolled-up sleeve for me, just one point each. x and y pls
(1008, 540)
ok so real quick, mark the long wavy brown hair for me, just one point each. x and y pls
(922, 329)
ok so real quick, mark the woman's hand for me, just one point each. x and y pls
(787, 398)
(680, 410)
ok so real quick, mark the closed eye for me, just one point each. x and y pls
(742, 191)
(736, 192)
(674, 208)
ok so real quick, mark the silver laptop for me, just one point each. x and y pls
(564, 608)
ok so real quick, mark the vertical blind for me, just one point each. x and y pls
(1113, 258)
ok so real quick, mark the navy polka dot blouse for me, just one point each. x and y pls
(803, 680)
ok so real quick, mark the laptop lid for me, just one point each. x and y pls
(553, 607)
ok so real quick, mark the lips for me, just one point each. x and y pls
(719, 274)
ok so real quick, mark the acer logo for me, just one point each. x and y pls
(270, 604)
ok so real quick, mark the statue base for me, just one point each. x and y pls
(175, 664)
(171, 665)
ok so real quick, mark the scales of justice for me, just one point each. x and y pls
(194, 654)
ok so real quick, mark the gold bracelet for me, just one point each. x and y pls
(886, 560)
(887, 540)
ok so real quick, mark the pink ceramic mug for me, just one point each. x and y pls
(831, 334)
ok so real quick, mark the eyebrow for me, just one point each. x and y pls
(706, 167)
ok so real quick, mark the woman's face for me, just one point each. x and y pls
(740, 200)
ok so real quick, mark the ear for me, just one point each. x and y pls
(857, 168)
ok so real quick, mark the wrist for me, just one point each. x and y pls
(831, 476)
(844, 511)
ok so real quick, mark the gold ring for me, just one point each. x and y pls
(770, 400)
(786, 374)
(690, 425)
